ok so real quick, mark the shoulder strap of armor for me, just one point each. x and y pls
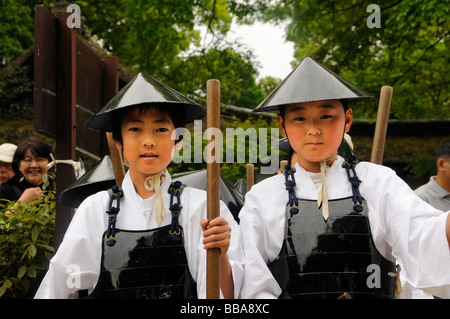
(290, 185)
(349, 166)
(116, 194)
(175, 190)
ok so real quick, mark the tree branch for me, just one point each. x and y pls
(420, 59)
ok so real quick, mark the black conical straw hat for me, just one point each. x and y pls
(308, 82)
(143, 89)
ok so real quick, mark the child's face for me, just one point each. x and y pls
(147, 143)
(315, 130)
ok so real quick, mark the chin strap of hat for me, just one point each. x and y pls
(349, 166)
(322, 199)
(175, 190)
(112, 212)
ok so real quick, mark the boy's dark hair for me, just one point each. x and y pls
(443, 150)
(175, 114)
(343, 101)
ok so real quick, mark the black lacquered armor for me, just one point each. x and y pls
(146, 264)
(324, 259)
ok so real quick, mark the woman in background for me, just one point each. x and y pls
(30, 165)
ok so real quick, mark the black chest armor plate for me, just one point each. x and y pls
(148, 264)
(324, 259)
(145, 265)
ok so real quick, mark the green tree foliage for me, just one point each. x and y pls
(16, 94)
(255, 151)
(241, 143)
(408, 51)
(268, 84)
(145, 35)
(234, 70)
(16, 28)
(162, 38)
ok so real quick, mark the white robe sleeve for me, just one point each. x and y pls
(76, 264)
(262, 220)
(235, 252)
(194, 210)
(407, 229)
(404, 228)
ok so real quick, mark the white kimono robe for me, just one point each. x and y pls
(76, 265)
(405, 229)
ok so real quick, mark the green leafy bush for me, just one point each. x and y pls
(26, 244)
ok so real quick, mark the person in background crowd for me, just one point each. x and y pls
(30, 165)
(437, 191)
(6, 157)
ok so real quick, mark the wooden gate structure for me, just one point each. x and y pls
(71, 83)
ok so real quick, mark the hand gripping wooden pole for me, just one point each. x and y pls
(212, 186)
(379, 137)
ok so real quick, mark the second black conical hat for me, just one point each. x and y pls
(308, 82)
(99, 177)
(143, 89)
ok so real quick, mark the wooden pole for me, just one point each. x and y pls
(116, 159)
(111, 87)
(212, 187)
(379, 138)
(250, 176)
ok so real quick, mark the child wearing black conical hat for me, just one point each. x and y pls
(149, 238)
(333, 227)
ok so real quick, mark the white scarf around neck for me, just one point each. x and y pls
(153, 183)
(323, 194)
